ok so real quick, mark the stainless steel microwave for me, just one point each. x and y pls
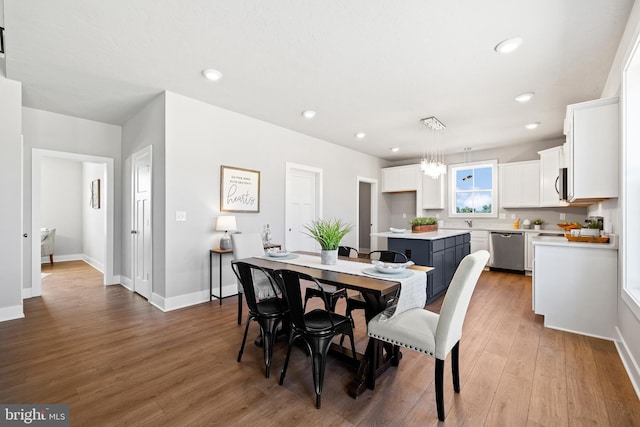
(562, 184)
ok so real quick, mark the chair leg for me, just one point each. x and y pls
(439, 388)
(239, 308)
(319, 349)
(244, 340)
(292, 338)
(268, 342)
(455, 367)
(51, 259)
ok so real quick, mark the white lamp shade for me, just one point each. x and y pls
(226, 223)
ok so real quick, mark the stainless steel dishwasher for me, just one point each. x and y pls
(507, 251)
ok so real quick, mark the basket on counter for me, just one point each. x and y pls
(586, 239)
(568, 227)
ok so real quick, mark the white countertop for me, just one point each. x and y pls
(562, 241)
(554, 230)
(432, 235)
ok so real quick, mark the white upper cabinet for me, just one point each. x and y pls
(400, 178)
(433, 192)
(592, 130)
(519, 184)
(551, 160)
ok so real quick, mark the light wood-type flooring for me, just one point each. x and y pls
(117, 360)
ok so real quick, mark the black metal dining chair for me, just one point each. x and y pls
(348, 251)
(267, 312)
(357, 302)
(316, 329)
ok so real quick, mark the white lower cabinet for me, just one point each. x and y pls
(479, 240)
(575, 288)
(528, 250)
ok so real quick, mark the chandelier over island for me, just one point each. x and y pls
(432, 162)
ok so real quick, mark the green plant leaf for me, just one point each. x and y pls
(327, 232)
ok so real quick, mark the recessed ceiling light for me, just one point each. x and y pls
(509, 45)
(309, 114)
(533, 125)
(394, 149)
(525, 97)
(212, 74)
(360, 135)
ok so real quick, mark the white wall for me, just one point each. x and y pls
(146, 128)
(61, 204)
(628, 324)
(200, 138)
(57, 132)
(10, 193)
(93, 220)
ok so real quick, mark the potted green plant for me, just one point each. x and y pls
(424, 224)
(591, 230)
(537, 223)
(328, 233)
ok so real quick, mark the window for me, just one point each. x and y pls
(473, 189)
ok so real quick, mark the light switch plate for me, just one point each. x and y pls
(181, 216)
(563, 216)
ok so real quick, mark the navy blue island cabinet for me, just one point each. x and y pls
(439, 250)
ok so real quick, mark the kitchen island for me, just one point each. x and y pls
(575, 285)
(442, 249)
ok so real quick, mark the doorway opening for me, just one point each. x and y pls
(367, 214)
(106, 225)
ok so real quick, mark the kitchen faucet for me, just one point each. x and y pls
(469, 222)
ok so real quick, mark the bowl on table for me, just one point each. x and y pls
(277, 253)
(390, 267)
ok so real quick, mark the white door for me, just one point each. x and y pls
(141, 223)
(367, 209)
(303, 205)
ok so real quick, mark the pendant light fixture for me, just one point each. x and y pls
(432, 162)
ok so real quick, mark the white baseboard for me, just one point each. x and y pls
(115, 280)
(181, 301)
(11, 313)
(63, 258)
(93, 263)
(26, 293)
(630, 364)
(126, 282)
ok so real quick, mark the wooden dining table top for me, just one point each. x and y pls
(371, 285)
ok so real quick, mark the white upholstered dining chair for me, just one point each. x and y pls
(436, 334)
(248, 245)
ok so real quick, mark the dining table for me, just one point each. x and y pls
(376, 289)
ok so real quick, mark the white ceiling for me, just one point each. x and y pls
(375, 66)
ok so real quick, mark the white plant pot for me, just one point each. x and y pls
(328, 257)
(589, 232)
(536, 226)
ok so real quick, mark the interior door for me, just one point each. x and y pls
(303, 206)
(141, 223)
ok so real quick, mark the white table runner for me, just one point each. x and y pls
(413, 290)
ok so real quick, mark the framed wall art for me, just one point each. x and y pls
(239, 190)
(95, 194)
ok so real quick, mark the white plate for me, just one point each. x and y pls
(388, 270)
(402, 274)
(397, 230)
(278, 254)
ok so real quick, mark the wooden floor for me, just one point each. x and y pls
(116, 360)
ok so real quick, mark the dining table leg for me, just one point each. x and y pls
(378, 356)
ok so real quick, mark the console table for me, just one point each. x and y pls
(221, 252)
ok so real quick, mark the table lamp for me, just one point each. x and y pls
(226, 223)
